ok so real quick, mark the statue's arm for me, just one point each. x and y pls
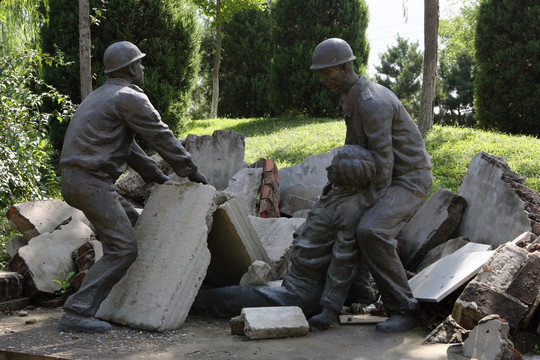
(144, 165)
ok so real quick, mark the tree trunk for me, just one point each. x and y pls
(431, 28)
(84, 48)
(217, 61)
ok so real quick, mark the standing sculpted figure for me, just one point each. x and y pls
(98, 144)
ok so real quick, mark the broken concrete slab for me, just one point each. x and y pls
(233, 243)
(13, 245)
(274, 322)
(292, 203)
(447, 332)
(48, 255)
(246, 184)
(500, 206)
(431, 225)
(310, 192)
(259, 273)
(219, 156)
(159, 288)
(446, 275)
(437, 253)
(42, 216)
(311, 172)
(276, 236)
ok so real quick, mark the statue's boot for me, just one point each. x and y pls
(79, 323)
(323, 320)
(397, 323)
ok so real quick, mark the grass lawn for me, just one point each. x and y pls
(288, 141)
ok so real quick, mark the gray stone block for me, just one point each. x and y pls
(431, 226)
(219, 156)
(274, 322)
(159, 288)
(233, 243)
(259, 273)
(246, 184)
(293, 203)
(311, 172)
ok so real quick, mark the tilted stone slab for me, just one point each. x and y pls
(311, 172)
(219, 156)
(48, 256)
(246, 184)
(159, 288)
(437, 253)
(276, 235)
(233, 243)
(431, 226)
(440, 279)
(496, 212)
(38, 217)
(274, 322)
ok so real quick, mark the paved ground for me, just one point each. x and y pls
(206, 338)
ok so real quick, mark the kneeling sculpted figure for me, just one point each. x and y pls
(98, 144)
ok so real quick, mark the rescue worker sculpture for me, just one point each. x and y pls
(378, 123)
(98, 144)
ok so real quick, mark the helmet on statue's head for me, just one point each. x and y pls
(119, 55)
(331, 52)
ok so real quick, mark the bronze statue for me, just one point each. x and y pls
(98, 144)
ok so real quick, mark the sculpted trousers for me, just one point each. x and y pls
(113, 218)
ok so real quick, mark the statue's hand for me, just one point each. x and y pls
(197, 176)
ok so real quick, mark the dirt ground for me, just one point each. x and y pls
(35, 331)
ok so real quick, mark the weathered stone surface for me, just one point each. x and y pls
(431, 226)
(219, 156)
(526, 284)
(440, 279)
(246, 184)
(496, 210)
(11, 285)
(489, 340)
(157, 291)
(48, 256)
(293, 203)
(478, 301)
(447, 332)
(310, 192)
(233, 243)
(276, 236)
(274, 322)
(311, 172)
(259, 273)
(437, 253)
(38, 217)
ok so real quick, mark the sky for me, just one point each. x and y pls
(387, 20)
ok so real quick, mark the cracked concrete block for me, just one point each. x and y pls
(245, 184)
(293, 203)
(38, 217)
(259, 273)
(489, 340)
(431, 226)
(233, 243)
(159, 288)
(498, 206)
(311, 172)
(219, 156)
(274, 322)
(276, 235)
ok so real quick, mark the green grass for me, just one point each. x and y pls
(288, 141)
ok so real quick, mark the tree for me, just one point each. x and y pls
(245, 65)
(222, 11)
(431, 26)
(400, 71)
(84, 48)
(20, 22)
(299, 27)
(507, 91)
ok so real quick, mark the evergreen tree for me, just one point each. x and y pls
(166, 30)
(245, 63)
(299, 27)
(401, 72)
(507, 91)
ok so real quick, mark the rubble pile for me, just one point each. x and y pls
(478, 248)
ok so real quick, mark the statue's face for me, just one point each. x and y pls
(138, 73)
(332, 77)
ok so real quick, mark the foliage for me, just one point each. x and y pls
(456, 34)
(25, 171)
(65, 284)
(166, 30)
(288, 141)
(299, 27)
(507, 91)
(227, 8)
(245, 62)
(401, 72)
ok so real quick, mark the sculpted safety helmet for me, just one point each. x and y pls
(119, 55)
(331, 52)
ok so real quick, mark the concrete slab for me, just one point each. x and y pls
(446, 275)
(219, 156)
(437, 253)
(274, 322)
(246, 184)
(233, 243)
(495, 213)
(431, 226)
(276, 235)
(159, 288)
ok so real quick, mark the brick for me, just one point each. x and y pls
(525, 285)
(11, 285)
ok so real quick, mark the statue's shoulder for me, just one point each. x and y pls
(136, 88)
